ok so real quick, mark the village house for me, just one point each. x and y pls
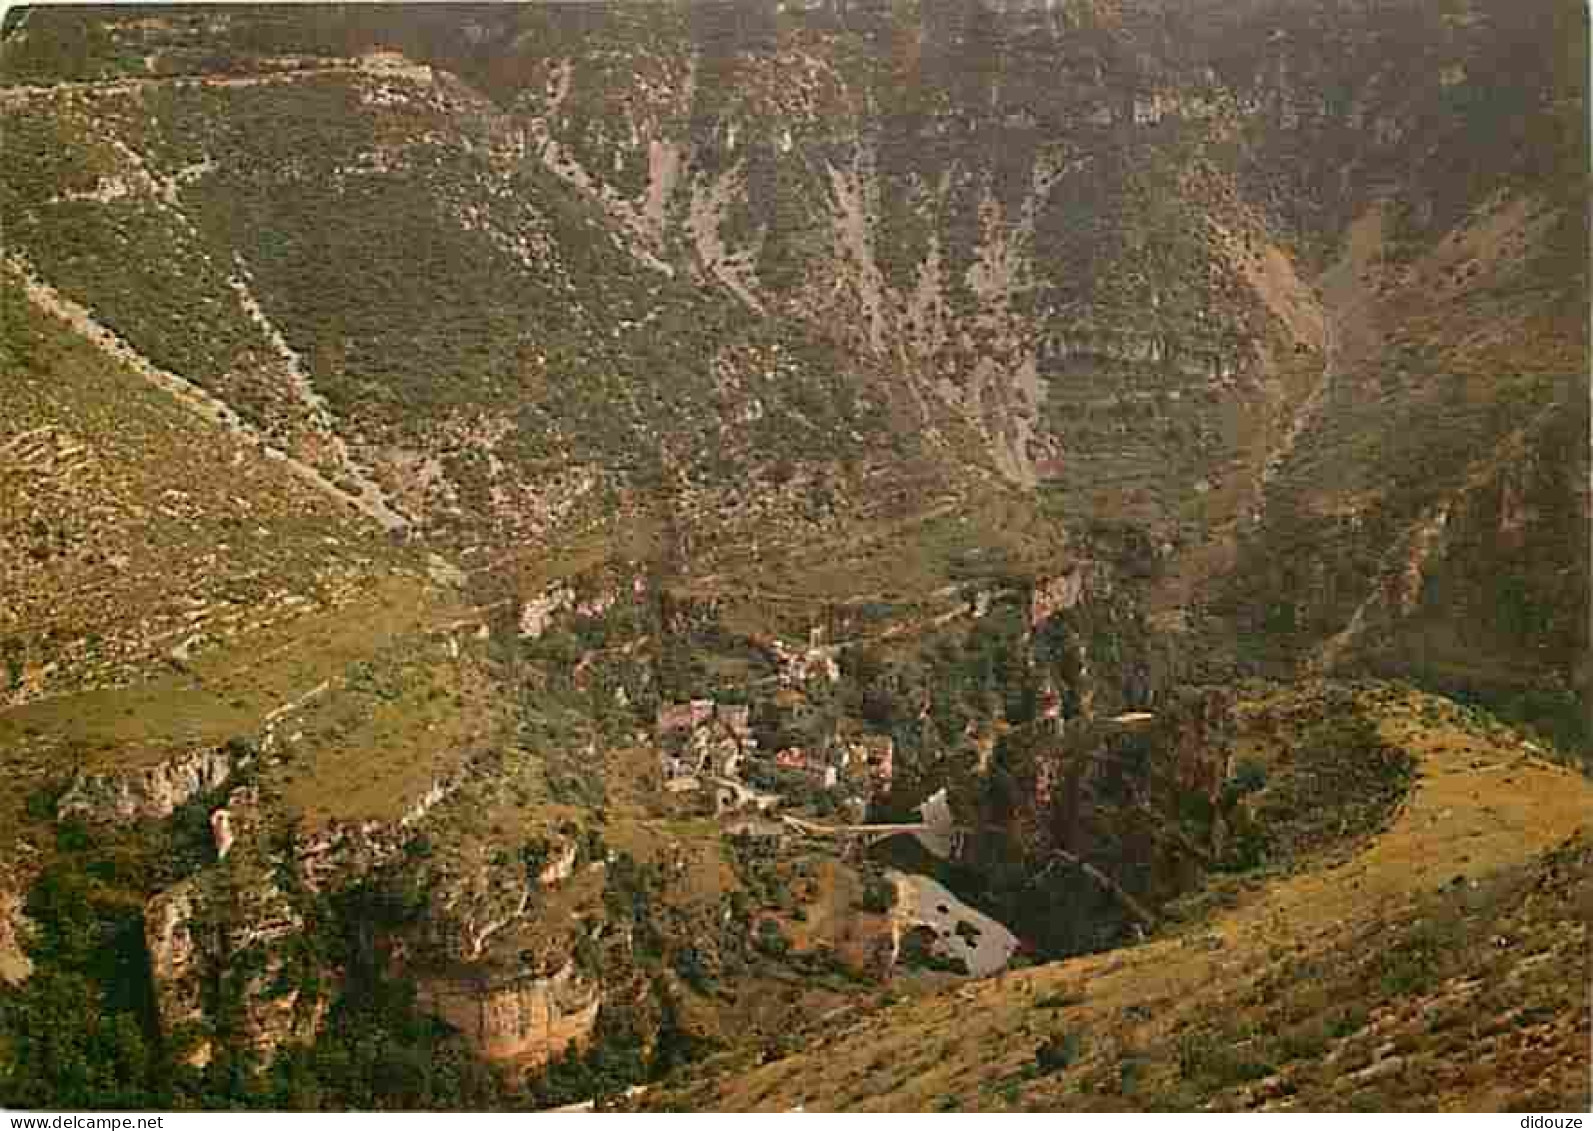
(810, 764)
(798, 665)
(700, 737)
(682, 716)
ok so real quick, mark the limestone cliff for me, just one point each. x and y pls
(15, 965)
(150, 792)
(1110, 817)
(233, 960)
(175, 966)
(221, 962)
(526, 1017)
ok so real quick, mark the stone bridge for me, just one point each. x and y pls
(948, 839)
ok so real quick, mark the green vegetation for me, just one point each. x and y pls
(1338, 785)
(1299, 396)
(82, 1030)
(879, 894)
(1058, 1052)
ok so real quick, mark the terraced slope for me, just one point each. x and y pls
(356, 259)
(177, 593)
(174, 535)
(516, 274)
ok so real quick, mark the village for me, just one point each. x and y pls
(765, 748)
(704, 744)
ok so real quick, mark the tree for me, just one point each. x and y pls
(771, 939)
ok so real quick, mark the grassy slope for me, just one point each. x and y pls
(132, 528)
(155, 522)
(1369, 965)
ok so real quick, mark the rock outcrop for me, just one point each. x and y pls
(220, 968)
(225, 952)
(537, 614)
(175, 961)
(148, 793)
(221, 832)
(560, 866)
(526, 1018)
(15, 965)
(1057, 594)
(231, 962)
(589, 597)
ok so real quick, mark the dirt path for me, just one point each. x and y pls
(320, 413)
(20, 94)
(164, 192)
(188, 394)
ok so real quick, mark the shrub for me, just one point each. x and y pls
(1057, 1052)
(1250, 776)
(1060, 999)
(879, 895)
(771, 939)
(242, 747)
(41, 802)
(1218, 1060)
(1129, 1073)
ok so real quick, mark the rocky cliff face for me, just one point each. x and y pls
(227, 953)
(221, 958)
(15, 965)
(232, 957)
(1110, 817)
(924, 183)
(152, 792)
(1100, 250)
(174, 961)
(525, 1018)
